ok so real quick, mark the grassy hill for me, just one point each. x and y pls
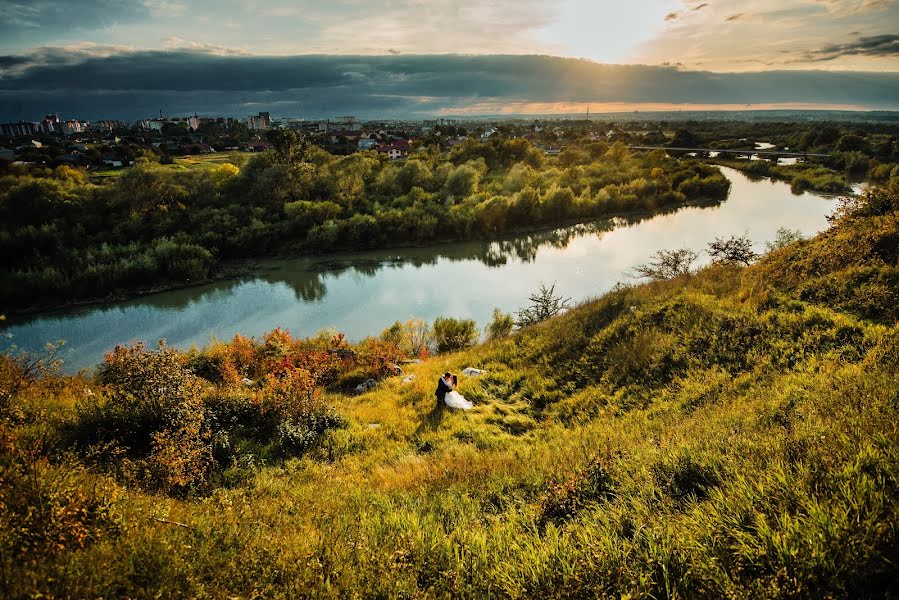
(731, 433)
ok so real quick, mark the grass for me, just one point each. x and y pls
(183, 163)
(722, 434)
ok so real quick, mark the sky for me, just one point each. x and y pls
(394, 58)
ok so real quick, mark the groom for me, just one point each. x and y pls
(443, 386)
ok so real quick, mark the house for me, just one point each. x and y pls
(366, 144)
(396, 149)
(111, 161)
(258, 146)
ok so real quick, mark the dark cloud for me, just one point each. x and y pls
(21, 19)
(672, 16)
(700, 6)
(137, 84)
(735, 17)
(877, 45)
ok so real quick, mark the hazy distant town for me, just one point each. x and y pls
(109, 143)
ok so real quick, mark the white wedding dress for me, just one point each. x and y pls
(454, 399)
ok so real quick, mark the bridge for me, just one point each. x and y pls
(747, 153)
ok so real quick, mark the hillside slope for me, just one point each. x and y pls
(731, 433)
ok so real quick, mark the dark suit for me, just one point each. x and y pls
(442, 388)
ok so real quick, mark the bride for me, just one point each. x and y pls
(452, 398)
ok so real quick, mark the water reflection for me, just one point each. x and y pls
(362, 293)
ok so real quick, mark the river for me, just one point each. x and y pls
(362, 293)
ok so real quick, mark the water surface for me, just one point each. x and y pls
(362, 293)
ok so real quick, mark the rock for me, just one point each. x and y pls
(409, 378)
(247, 382)
(374, 425)
(365, 386)
(395, 369)
(472, 372)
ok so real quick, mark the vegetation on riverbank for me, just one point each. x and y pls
(64, 238)
(800, 176)
(727, 433)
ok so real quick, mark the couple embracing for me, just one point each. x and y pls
(447, 394)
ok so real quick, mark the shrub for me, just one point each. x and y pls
(154, 411)
(500, 326)
(454, 334)
(293, 402)
(732, 250)
(683, 477)
(784, 237)
(565, 499)
(544, 305)
(667, 264)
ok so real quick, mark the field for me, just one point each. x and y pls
(182, 164)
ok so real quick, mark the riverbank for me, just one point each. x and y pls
(801, 176)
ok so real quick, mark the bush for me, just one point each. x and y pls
(565, 499)
(500, 326)
(684, 478)
(154, 411)
(454, 334)
(667, 264)
(544, 305)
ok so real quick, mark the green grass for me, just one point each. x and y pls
(181, 164)
(724, 434)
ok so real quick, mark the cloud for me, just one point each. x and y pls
(134, 84)
(877, 45)
(23, 19)
(853, 7)
(736, 17)
(672, 16)
(700, 6)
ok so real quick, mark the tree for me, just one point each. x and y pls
(544, 304)
(462, 181)
(288, 146)
(455, 334)
(667, 264)
(735, 249)
(784, 237)
(501, 325)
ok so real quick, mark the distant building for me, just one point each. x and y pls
(20, 129)
(7, 154)
(50, 123)
(72, 127)
(366, 144)
(258, 122)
